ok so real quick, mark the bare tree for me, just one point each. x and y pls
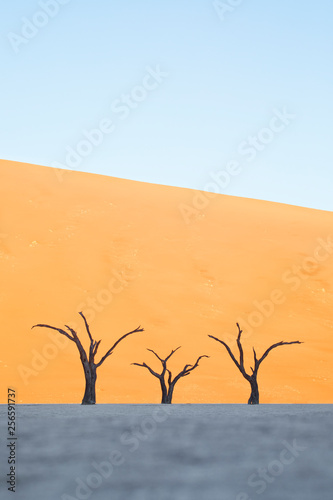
(88, 362)
(251, 378)
(167, 382)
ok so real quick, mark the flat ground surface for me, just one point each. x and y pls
(177, 452)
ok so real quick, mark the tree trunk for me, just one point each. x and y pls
(90, 373)
(164, 392)
(167, 399)
(170, 394)
(254, 398)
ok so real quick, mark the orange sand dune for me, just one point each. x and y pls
(129, 253)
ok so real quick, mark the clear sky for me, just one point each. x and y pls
(233, 96)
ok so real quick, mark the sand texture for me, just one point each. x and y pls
(128, 253)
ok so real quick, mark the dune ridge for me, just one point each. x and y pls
(122, 252)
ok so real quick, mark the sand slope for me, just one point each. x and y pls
(124, 253)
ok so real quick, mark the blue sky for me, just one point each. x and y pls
(183, 92)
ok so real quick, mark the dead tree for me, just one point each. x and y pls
(88, 362)
(251, 378)
(166, 381)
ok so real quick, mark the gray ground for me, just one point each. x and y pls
(178, 452)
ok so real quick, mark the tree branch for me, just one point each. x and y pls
(87, 326)
(197, 362)
(73, 332)
(82, 351)
(171, 353)
(158, 375)
(187, 369)
(240, 348)
(169, 377)
(109, 352)
(57, 329)
(256, 366)
(161, 360)
(273, 347)
(96, 345)
(229, 351)
(92, 342)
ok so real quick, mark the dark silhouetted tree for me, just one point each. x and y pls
(88, 362)
(165, 377)
(251, 378)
